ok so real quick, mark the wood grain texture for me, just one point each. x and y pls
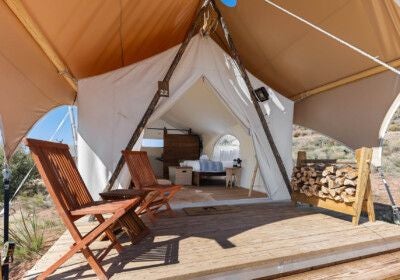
(72, 201)
(143, 178)
(362, 201)
(269, 234)
(386, 266)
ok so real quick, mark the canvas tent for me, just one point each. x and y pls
(91, 38)
(111, 106)
(48, 45)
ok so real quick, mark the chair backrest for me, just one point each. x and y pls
(140, 168)
(60, 175)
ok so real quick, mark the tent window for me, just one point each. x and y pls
(227, 148)
(152, 143)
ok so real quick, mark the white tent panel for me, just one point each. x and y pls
(111, 106)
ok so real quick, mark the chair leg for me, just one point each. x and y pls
(111, 236)
(169, 209)
(97, 268)
(151, 216)
(94, 264)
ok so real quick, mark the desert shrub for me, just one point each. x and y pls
(394, 127)
(391, 154)
(318, 146)
(31, 203)
(20, 164)
(28, 235)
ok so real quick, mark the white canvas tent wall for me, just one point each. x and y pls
(111, 105)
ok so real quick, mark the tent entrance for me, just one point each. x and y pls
(202, 112)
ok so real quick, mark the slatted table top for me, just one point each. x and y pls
(259, 239)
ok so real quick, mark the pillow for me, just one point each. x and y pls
(203, 157)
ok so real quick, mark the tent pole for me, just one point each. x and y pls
(73, 129)
(6, 185)
(150, 109)
(235, 56)
(18, 8)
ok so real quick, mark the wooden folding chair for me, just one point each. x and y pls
(143, 178)
(73, 201)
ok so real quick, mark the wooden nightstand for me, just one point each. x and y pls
(233, 176)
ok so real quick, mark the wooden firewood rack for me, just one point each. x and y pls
(363, 197)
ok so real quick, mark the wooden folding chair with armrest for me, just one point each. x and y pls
(73, 201)
(144, 179)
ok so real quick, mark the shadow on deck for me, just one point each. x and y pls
(259, 240)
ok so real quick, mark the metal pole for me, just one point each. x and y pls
(73, 127)
(6, 182)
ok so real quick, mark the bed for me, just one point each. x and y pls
(204, 168)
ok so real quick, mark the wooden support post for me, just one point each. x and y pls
(253, 178)
(301, 157)
(150, 109)
(234, 54)
(363, 157)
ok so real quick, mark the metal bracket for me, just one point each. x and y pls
(6, 175)
(396, 215)
(261, 94)
(8, 253)
(163, 88)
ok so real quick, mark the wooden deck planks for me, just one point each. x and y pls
(385, 266)
(213, 193)
(269, 234)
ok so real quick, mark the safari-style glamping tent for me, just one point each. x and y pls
(327, 65)
(84, 39)
(117, 99)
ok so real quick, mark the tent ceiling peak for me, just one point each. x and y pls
(19, 10)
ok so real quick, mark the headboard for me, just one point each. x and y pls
(179, 147)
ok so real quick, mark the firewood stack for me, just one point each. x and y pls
(326, 181)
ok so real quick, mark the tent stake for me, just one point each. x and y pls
(150, 109)
(234, 54)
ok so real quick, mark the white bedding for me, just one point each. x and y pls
(195, 164)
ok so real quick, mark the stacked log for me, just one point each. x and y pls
(326, 181)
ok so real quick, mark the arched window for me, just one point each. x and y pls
(227, 148)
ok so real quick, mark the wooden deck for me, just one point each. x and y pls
(259, 240)
(386, 266)
(208, 193)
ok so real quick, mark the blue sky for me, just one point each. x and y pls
(46, 126)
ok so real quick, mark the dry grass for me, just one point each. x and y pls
(34, 227)
(317, 145)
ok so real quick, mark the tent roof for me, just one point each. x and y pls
(88, 35)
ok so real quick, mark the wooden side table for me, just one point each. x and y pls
(233, 176)
(133, 225)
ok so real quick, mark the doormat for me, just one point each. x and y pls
(211, 210)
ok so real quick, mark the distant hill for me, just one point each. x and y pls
(319, 146)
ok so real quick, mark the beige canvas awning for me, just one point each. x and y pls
(93, 37)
